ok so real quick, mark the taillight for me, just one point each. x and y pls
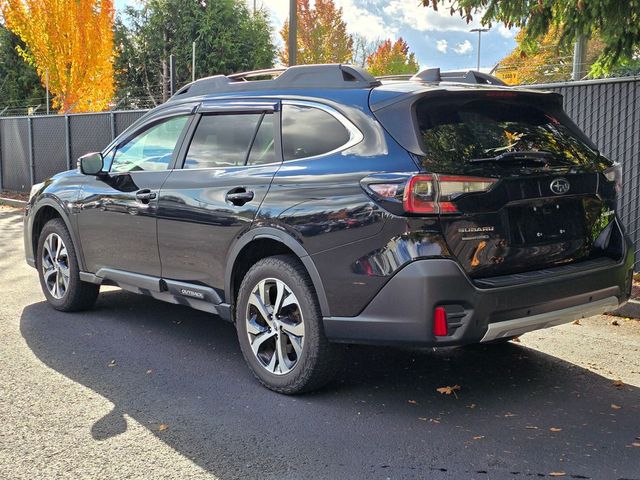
(436, 193)
(614, 174)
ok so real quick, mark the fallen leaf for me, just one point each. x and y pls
(448, 390)
(555, 429)
(112, 363)
(434, 420)
(162, 427)
(472, 405)
(149, 371)
(577, 322)
(478, 437)
(531, 427)
(615, 407)
(618, 384)
(413, 402)
(557, 474)
(636, 444)
(509, 414)
(424, 419)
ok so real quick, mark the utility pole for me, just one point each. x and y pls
(579, 58)
(47, 86)
(193, 62)
(172, 74)
(480, 32)
(293, 31)
(165, 68)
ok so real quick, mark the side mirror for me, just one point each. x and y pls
(91, 163)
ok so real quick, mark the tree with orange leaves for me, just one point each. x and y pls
(71, 42)
(392, 58)
(322, 35)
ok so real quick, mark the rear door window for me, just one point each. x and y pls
(263, 149)
(309, 131)
(222, 140)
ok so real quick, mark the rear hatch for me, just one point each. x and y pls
(520, 187)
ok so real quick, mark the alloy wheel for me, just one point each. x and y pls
(275, 326)
(55, 266)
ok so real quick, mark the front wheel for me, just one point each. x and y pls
(280, 329)
(59, 271)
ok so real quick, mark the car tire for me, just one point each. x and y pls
(283, 341)
(59, 271)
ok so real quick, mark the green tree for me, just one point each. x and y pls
(616, 22)
(228, 39)
(322, 35)
(546, 61)
(392, 58)
(19, 82)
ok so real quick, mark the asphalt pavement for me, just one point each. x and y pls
(137, 388)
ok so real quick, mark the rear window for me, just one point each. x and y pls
(456, 134)
(309, 131)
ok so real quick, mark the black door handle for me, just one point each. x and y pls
(145, 195)
(239, 196)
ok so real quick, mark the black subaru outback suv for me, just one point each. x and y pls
(318, 205)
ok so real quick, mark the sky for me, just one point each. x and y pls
(437, 38)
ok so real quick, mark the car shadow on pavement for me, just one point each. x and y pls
(517, 414)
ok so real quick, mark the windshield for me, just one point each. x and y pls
(473, 136)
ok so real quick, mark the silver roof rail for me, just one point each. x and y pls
(267, 72)
(300, 76)
(463, 76)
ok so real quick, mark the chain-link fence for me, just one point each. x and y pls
(608, 111)
(33, 148)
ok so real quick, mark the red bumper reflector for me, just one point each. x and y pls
(440, 322)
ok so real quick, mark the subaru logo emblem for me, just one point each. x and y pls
(560, 186)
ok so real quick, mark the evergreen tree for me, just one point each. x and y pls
(228, 39)
(19, 82)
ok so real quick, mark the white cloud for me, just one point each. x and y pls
(506, 32)
(358, 20)
(442, 46)
(413, 14)
(365, 23)
(463, 48)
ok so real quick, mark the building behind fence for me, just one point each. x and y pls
(34, 148)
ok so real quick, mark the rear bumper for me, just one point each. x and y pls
(402, 312)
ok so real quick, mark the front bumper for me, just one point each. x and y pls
(402, 312)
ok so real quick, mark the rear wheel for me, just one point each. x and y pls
(280, 329)
(59, 272)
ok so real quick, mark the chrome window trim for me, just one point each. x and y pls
(355, 135)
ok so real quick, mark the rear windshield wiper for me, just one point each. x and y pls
(534, 155)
